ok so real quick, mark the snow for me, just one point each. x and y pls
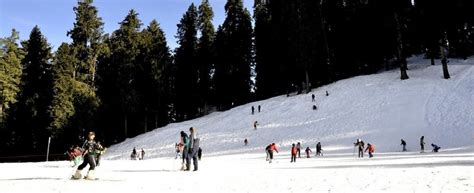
(380, 109)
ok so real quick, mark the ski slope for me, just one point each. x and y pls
(380, 109)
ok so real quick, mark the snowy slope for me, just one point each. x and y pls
(378, 108)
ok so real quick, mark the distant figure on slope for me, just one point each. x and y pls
(255, 124)
(313, 97)
(404, 144)
(89, 147)
(259, 108)
(371, 149)
(308, 152)
(422, 144)
(435, 147)
(298, 149)
(253, 110)
(134, 154)
(246, 142)
(327, 94)
(360, 145)
(294, 150)
(315, 107)
(142, 154)
(270, 149)
(319, 149)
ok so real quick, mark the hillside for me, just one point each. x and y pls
(380, 109)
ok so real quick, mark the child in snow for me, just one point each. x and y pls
(308, 152)
(185, 141)
(435, 147)
(298, 149)
(404, 144)
(255, 124)
(178, 148)
(134, 154)
(89, 154)
(319, 149)
(294, 150)
(371, 149)
(360, 144)
(272, 147)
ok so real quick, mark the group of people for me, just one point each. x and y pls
(137, 155)
(189, 146)
(259, 108)
(422, 145)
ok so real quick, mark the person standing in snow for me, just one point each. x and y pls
(246, 142)
(143, 154)
(259, 108)
(404, 144)
(313, 97)
(193, 149)
(422, 144)
(134, 154)
(318, 149)
(272, 147)
(253, 110)
(308, 152)
(371, 149)
(255, 124)
(185, 141)
(360, 144)
(89, 154)
(294, 150)
(435, 147)
(298, 149)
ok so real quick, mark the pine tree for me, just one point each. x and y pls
(122, 69)
(156, 57)
(30, 119)
(234, 51)
(62, 107)
(10, 73)
(205, 54)
(186, 66)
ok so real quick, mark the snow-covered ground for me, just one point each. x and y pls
(380, 109)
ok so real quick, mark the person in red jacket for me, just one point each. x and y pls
(371, 149)
(294, 151)
(270, 150)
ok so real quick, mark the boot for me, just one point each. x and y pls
(77, 175)
(90, 175)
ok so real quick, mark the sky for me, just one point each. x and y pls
(56, 17)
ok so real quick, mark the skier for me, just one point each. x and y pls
(313, 97)
(404, 144)
(255, 124)
(371, 149)
(422, 144)
(134, 154)
(253, 110)
(298, 149)
(246, 142)
(259, 108)
(270, 150)
(435, 147)
(89, 148)
(308, 152)
(267, 151)
(294, 150)
(184, 155)
(193, 149)
(318, 149)
(142, 154)
(360, 144)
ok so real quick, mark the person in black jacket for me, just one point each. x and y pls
(194, 148)
(89, 154)
(319, 149)
(360, 144)
(404, 144)
(422, 144)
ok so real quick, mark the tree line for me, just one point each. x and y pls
(129, 82)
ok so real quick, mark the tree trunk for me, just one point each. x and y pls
(125, 126)
(401, 56)
(308, 89)
(444, 62)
